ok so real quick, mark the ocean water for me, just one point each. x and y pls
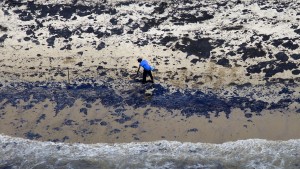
(253, 153)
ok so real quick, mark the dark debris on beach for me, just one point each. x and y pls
(190, 102)
(194, 44)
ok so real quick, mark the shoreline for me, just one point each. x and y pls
(97, 113)
(221, 66)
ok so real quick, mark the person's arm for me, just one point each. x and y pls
(138, 71)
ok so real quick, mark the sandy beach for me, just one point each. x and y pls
(224, 71)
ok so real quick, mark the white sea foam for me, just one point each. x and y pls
(254, 153)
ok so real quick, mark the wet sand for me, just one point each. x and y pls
(101, 124)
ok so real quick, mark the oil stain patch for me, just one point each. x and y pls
(190, 102)
(123, 113)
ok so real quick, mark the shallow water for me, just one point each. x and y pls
(253, 153)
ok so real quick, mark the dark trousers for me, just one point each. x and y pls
(145, 73)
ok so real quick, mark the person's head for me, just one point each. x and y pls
(139, 60)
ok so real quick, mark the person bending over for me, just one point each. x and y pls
(147, 69)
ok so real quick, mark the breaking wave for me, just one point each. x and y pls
(253, 153)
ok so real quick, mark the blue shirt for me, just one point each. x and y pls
(144, 63)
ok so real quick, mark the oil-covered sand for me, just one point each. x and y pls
(92, 113)
(225, 71)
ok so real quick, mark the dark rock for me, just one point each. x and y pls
(28, 106)
(192, 130)
(200, 47)
(29, 32)
(103, 123)
(48, 10)
(182, 68)
(279, 67)
(88, 106)
(134, 26)
(224, 62)
(3, 37)
(258, 68)
(248, 115)
(32, 136)
(84, 111)
(295, 56)
(134, 125)
(99, 34)
(148, 24)
(80, 53)
(147, 112)
(129, 21)
(233, 28)
(100, 46)
(65, 138)
(113, 21)
(42, 117)
(167, 39)
(115, 131)
(117, 31)
(282, 57)
(251, 52)
(80, 64)
(74, 18)
(194, 61)
(142, 42)
(36, 42)
(69, 122)
(90, 30)
(290, 45)
(65, 32)
(266, 37)
(112, 11)
(185, 18)
(219, 42)
(277, 42)
(296, 72)
(100, 67)
(3, 28)
(67, 12)
(83, 10)
(94, 121)
(124, 118)
(161, 8)
(51, 41)
(103, 74)
(297, 31)
(67, 47)
(286, 91)
(25, 16)
(231, 53)
(27, 39)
